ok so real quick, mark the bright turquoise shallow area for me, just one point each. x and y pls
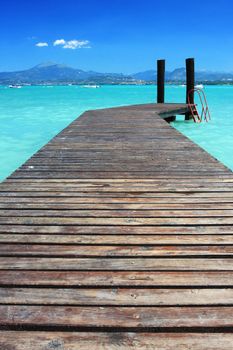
(31, 116)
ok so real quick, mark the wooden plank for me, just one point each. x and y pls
(138, 182)
(116, 264)
(117, 278)
(118, 230)
(135, 196)
(120, 317)
(116, 296)
(119, 213)
(127, 221)
(102, 174)
(118, 340)
(144, 250)
(151, 189)
(220, 241)
(48, 205)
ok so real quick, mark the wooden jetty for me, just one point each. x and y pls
(118, 234)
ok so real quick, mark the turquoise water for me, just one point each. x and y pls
(31, 116)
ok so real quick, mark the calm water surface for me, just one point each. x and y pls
(31, 116)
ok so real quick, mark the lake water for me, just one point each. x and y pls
(31, 116)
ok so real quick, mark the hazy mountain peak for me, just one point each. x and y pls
(51, 64)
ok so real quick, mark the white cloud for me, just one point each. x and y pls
(59, 42)
(72, 44)
(76, 44)
(42, 44)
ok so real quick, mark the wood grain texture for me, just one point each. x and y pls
(116, 278)
(120, 224)
(114, 341)
(117, 296)
(113, 317)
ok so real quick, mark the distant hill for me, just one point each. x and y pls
(51, 72)
(148, 75)
(179, 74)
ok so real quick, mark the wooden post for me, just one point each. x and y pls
(190, 83)
(160, 86)
(160, 80)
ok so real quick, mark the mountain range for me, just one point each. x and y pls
(179, 75)
(58, 73)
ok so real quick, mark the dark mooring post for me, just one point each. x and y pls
(161, 86)
(190, 83)
(160, 80)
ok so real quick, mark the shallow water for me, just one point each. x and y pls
(31, 116)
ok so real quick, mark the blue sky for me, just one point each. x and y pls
(116, 35)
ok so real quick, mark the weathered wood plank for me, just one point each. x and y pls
(48, 205)
(116, 264)
(128, 221)
(220, 241)
(119, 213)
(151, 197)
(120, 189)
(116, 296)
(114, 340)
(119, 230)
(103, 174)
(138, 182)
(117, 278)
(55, 250)
(120, 317)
